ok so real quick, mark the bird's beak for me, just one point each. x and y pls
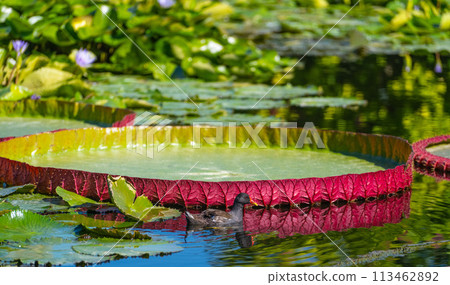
(253, 202)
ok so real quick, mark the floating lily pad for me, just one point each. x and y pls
(16, 126)
(87, 221)
(6, 207)
(20, 225)
(110, 247)
(322, 102)
(114, 233)
(54, 251)
(440, 150)
(276, 93)
(37, 202)
(248, 104)
(238, 118)
(74, 199)
(23, 189)
(124, 197)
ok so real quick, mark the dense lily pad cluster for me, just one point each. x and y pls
(47, 230)
(381, 27)
(181, 37)
(214, 101)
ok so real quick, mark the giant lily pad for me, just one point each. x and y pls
(34, 116)
(385, 157)
(16, 126)
(432, 156)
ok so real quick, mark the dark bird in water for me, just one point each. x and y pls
(217, 218)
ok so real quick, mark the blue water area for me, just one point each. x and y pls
(416, 234)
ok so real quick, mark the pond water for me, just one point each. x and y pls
(214, 163)
(18, 126)
(410, 230)
(372, 234)
(414, 105)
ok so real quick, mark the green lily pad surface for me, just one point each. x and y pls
(23, 189)
(328, 102)
(29, 237)
(440, 150)
(21, 225)
(74, 199)
(88, 221)
(110, 247)
(123, 194)
(21, 126)
(37, 202)
(214, 164)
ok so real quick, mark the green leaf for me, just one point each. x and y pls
(37, 202)
(20, 225)
(6, 207)
(328, 102)
(16, 93)
(110, 247)
(79, 219)
(114, 233)
(23, 189)
(74, 199)
(123, 195)
(46, 80)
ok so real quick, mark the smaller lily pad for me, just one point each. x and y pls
(110, 247)
(80, 219)
(114, 233)
(23, 189)
(74, 199)
(37, 202)
(123, 195)
(322, 102)
(20, 225)
(6, 207)
(247, 104)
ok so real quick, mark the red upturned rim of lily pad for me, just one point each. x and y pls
(428, 163)
(188, 193)
(58, 109)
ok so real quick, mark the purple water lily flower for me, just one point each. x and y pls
(417, 7)
(35, 97)
(438, 67)
(166, 3)
(20, 46)
(84, 58)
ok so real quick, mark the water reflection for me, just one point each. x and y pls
(306, 221)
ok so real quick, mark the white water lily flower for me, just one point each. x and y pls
(16, 214)
(212, 46)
